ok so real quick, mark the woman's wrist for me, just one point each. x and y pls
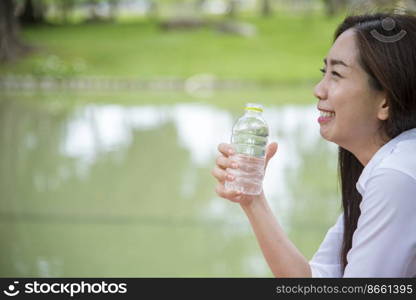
(255, 202)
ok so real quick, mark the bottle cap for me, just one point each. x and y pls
(254, 106)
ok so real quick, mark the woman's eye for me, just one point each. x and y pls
(333, 73)
(336, 74)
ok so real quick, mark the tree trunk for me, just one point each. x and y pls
(11, 47)
(266, 9)
(93, 11)
(33, 13)
(232, 7)
(113, 9)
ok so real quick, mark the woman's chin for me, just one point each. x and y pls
(325, 134)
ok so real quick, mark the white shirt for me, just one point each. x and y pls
(384, 243)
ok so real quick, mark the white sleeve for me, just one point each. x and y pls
(384, 243)
(326, 261)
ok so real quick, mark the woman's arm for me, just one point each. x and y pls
(283, 258)
(281, 255)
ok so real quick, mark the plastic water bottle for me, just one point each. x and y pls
(249, 140)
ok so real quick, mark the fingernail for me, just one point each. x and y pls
(231, 177)
(234, 165)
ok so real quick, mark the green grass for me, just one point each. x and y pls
(286, 49)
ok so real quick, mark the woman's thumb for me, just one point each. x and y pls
(270, 152)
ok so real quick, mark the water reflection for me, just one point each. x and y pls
(111, 190)
(96, 129)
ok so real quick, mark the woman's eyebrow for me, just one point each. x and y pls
(334, 62)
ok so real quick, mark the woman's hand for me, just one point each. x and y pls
(223, 162)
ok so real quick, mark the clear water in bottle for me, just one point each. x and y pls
(249, 140)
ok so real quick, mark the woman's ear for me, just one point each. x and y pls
(383, 110)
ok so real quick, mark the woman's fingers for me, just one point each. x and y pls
(226, 149)
(270, 151)
(227, 194)
(225, 163)
(221, 175)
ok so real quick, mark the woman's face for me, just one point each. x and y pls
(356, 108)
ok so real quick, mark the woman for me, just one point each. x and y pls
(367, 99)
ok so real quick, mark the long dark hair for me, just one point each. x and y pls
(391, 67)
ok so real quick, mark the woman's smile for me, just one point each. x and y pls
(326, 116)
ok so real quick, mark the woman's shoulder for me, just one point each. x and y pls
(393, 180)
(402, 158)
(395, 159)
(390, 192)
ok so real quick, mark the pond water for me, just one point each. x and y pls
(110, 190)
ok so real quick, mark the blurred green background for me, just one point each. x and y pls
(111, 112)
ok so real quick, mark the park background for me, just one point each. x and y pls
(110, 116)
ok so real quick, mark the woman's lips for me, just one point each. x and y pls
(322, 120)
(325, 116)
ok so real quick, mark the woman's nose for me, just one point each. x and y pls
(320, 90)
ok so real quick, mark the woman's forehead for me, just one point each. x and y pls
(345, 48)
